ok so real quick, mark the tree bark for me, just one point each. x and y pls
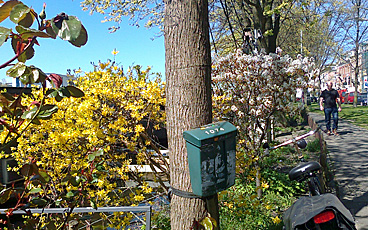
(356, 68)
(265, 23)
(188, 96)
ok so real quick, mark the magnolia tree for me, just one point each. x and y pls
(250, 90)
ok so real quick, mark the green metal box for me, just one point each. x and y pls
(211, 157)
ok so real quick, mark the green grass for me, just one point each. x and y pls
(358, 115)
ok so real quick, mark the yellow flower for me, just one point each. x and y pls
(86, 136)
(265, 185)
(104, 65)
(114, 52)
(276, 220)
(138, 197)
(230, 205)
(139, 128)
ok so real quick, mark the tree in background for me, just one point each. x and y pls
(310, 30)
(353, 31)
(249, 23)
(315, 30)
(229, 19)
(250, 91)
(150, 11)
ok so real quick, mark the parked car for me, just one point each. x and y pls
(342, 94)
(349, 98)
(363, 99)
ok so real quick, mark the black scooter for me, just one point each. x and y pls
(318, 210)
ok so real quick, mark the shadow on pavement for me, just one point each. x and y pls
(348, 157)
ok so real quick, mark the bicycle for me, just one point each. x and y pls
(318, 210)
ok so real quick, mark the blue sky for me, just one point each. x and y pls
(135, 45)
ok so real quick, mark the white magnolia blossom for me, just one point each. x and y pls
(255, 87)
(234, 108)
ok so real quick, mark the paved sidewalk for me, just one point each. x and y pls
(348, 154)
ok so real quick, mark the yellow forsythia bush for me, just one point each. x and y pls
(84, 150)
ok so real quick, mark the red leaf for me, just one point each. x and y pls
(10, 212)
(3, 122)
(19, 45)
(10, 127)
(56, 79)
(35, 41)
(37, 103)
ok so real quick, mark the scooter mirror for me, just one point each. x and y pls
(302, 143)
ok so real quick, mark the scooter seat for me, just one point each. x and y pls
(303, 170)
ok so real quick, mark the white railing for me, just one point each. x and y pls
(133, 209)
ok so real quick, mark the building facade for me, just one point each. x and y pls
(343, 73)
(66, 81)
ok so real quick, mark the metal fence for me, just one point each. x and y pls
(134, 209)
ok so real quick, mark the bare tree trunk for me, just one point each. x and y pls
(188, 89)
(356, 69)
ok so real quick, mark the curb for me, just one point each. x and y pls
(327, 174)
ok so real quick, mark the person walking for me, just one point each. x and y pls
(328, 98)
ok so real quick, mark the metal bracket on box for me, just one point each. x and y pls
(184, 194)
